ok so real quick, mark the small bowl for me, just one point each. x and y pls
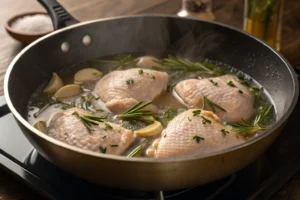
(24, 38)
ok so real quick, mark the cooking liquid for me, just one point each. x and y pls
(168, 102)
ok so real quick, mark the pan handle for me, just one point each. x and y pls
(3, 107)
(59, 16)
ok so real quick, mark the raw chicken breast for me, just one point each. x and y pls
(122, 89)
(68, 128)
(181, 135)
(237, 100)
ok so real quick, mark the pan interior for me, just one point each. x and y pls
(156, 36)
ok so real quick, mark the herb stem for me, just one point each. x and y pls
(45, 107)
(135, 151)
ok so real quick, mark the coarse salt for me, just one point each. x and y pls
(38, 23)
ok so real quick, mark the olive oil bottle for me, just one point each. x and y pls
(263, 19)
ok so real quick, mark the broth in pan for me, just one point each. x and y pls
(151, 107)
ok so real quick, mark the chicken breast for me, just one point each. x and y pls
(122, 89)
(189, 134)
(225, 91)
(69, 128)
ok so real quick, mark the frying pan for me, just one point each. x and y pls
(156, 35)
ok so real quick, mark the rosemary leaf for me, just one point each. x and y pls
(212, 105)
(205, 120)
(135, 151)
(45, 107)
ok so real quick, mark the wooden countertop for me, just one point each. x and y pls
(229, 12)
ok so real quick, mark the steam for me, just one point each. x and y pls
(181, 37)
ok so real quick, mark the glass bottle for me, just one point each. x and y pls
(263, 19)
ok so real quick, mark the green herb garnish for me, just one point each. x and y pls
(174, 63)
(104, 137)
(129, 81)
(108, 126)
(240, 91)
(86, 102)
(205, 120)
(213, 82)
(245, 127)
(245, 83)
(89, 120)
(189, 119)
(102, 150)
(198, 138)
(114, 145)
(212, 105)
(224, 132)
(136, 113)
(196, 112)
(141, 72)
(230, 83)
(135, 151)
(45, 107)
(120, 62)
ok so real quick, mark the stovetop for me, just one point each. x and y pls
(260, 180)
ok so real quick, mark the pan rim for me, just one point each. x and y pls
(60, 144)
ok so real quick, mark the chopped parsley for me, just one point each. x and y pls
(102, 150)
(230, 83)
(240, 91)
(129, 81)
(152, 76)
(141, 72)
(198, 138)
(108, 126)
(245, 83)
(114, 145)
(196, 112)
(104, 137)
(213, 82)
(224, 132)
(205, 120)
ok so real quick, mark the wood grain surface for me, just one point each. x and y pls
(226, 11)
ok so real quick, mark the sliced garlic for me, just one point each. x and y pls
(41, 126)
(87, 74)
(68, 91)
(54, 84)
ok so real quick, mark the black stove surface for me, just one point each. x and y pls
(260, 180)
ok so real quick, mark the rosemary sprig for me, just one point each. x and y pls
(136, 113)
(245, 127)
(212, 105)
(89, 120)
(174, 63)
(120, 61)
(45, 107)
(135, 151)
